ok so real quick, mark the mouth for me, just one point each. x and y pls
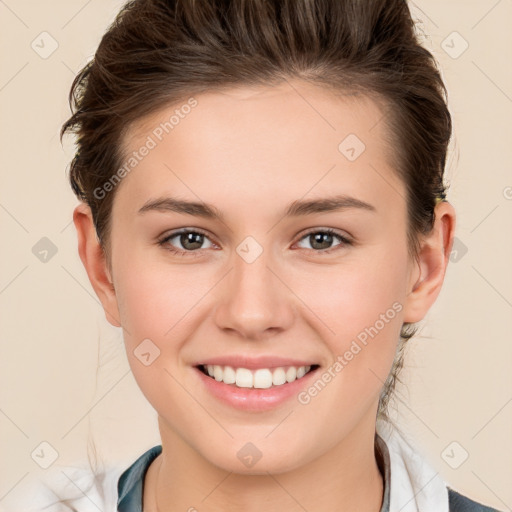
(260, 378)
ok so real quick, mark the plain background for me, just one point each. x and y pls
(64, 373)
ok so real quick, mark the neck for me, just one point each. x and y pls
(344, 479)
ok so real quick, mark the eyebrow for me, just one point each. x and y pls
(294, 209)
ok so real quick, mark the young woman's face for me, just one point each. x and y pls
(257, 283)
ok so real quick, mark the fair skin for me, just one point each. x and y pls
(250, 152)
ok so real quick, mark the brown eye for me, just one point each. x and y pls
(187, 241)
(191, 240)
(321, 240)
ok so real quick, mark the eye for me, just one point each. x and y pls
(322, 240)
(190, 240)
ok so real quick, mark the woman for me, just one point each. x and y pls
(263, 213)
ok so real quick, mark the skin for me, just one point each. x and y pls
(250, 152)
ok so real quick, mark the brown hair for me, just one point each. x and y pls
(159, 52)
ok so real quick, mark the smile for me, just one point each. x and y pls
(261, 378)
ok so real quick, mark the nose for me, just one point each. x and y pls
(255, 301)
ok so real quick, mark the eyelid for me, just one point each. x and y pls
(342, 234)
(345, 239)
(162, 240)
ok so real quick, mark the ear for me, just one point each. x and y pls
(95, 262)
(428, 273)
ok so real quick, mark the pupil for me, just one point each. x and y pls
(326, 237)
(187, 238)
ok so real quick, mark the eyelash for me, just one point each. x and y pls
(163, 242)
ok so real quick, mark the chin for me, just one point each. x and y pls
(251, 458)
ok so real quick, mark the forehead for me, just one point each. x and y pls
(324, 109)
(279, 141)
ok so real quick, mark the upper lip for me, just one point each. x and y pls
(254, 362)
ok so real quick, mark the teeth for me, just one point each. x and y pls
(291, 374)
(244, 378)
(229, 375)
(261, 378)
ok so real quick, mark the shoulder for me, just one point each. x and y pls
(461, 503)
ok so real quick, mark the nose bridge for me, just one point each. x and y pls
(251, 273)
(254, 300)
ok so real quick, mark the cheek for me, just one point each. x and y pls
(154, 299)
(351, 296)
(360, 307)
(156, 305)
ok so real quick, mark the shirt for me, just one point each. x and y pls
(410, 484)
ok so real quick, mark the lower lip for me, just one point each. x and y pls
(255, 399)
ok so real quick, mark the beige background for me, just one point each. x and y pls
(64, 373)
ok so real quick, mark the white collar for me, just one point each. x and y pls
(414, 485)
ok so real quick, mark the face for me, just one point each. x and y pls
(295, 255)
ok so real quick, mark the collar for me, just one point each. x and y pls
(414, 485)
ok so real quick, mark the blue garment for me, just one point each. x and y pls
(460, 503)
(131, 483)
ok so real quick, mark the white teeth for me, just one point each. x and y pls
(244, 378)
(229, 375)
(217, 373)
(291, 374)
(278, 376)
(261, 378)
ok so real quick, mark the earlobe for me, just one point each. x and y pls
(430, 269)
(94, 260)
